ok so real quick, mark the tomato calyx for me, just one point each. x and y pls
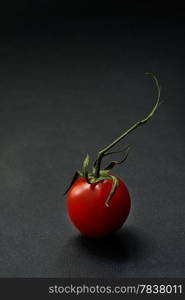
(104, 174)
(99, 174)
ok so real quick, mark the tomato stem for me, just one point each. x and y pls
(136, 125)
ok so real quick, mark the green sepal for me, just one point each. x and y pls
(76, 175)
(105, 176)
(113, 190)
(104, 173)
(116, 162)
(85, 167)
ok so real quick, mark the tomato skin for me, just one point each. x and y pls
(88, 212)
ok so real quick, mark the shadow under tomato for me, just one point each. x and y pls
(120, 246)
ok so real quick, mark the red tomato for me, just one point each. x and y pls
(99, 208)
(87, 209)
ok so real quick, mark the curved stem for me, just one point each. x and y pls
(136, 125)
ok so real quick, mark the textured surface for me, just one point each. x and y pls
(71, 89)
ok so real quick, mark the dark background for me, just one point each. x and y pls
(71, 79)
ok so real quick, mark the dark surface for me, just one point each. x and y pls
(71, 87)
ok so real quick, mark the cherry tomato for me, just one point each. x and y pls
(98, 203)
(88, 212)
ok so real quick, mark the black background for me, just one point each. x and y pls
(71, 79)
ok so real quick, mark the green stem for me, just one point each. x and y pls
(136, 125)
